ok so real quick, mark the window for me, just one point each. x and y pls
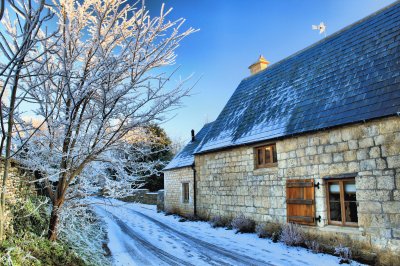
(342, 202)
(265, 156)
(185, 192)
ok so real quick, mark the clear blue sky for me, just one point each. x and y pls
(234, 33)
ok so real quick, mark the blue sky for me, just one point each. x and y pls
(234, 33)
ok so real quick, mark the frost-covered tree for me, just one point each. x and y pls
(111, 87)
(159, 155)
(22, 44)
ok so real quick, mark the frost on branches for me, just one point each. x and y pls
(23, 46)
(107, 88)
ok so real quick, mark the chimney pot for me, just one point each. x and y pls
(193, 138)
(258, 66)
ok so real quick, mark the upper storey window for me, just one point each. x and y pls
(265, 156)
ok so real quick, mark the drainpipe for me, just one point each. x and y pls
(194, 191)
(194, 180)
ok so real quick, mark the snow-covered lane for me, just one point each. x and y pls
(138, 235)
(129, 247)
(142, 240)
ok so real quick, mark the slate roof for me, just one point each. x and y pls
(348, 77)
(185, 157)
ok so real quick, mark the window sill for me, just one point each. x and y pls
(342, 229)
(269, 165)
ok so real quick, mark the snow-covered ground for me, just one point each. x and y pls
(138, 235)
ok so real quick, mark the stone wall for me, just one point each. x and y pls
(142, 196)
(19, 185)
(228, 183)
(19, 182)
(150, 198)
(160, 200)
(173, 198)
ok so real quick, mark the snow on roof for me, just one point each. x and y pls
(348, 77)
(185, 157)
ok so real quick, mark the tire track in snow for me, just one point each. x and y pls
(237, 259)
(161, 254)
(137, 253)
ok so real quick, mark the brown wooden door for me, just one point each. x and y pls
(300, 201)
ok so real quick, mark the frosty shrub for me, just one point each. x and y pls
(344, 253)
(219, 221)
(171, 211)
(30, 214)
(313, 245)
(242, 224)
(262, 231)
(192, 218)
(31, 249)
(269, 230)
(275, 236)
(292, 235)
(85, 233)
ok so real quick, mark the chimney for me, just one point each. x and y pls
(261, 64)
(193, 138)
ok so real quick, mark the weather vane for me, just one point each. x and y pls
(321, 27)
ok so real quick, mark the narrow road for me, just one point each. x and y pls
(140, 236)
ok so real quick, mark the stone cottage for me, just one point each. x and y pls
(313, 139)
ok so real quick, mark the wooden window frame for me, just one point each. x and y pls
(341, 182)
(185, 194)
(271, 154)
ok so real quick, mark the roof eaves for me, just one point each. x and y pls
(255, 142)
(177, 167)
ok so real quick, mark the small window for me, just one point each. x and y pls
(185, 192)
(342, 202)
(265, 156)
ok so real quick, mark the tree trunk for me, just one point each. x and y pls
(3, 199)
(54, 219)
(8, 150)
